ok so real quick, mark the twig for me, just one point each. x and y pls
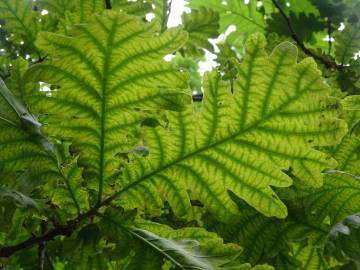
(108, 4)
(166, 13)
(65, 230)
(41, 250)
(300, 43)
(59, 230)
(329, 34)
(48, 258)
(41, 256)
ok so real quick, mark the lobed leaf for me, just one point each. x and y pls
(244, 140)
(103, 95)
(337, 198)
(244, 16)
(347, 42)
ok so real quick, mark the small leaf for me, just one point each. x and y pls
(201, 24)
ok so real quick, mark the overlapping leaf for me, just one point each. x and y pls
(266, 239)
(348, 41)
(310, 258)
(161, 11)
(184, 253)
(347, 154)
(22, 22)
(343, 239)
(19, 18)
(158, 245)
(337, 198)
(139, 8)
(244, 16)
(20, 135)
(28, 156)
(57, 8)
(81, 11)
(243, 141)
(297, 7)
(201, 25)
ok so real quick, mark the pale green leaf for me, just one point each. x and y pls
(244, 140)
(201, 24)
(347, 42)
(311, 258)
(245, 17)
(69, 194)
(351, 103)
(103, 95)
(347, 154)
(20, 19)
(294, 6)
(184, 254)
(337, 198)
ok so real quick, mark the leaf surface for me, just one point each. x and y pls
(242, 141)
(103, 94)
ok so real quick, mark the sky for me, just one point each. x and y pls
(177, 8)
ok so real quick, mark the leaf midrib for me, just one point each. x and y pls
(104, 85)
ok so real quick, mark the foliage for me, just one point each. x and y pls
(106, 163)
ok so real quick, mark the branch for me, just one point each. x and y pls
(59, 230)
(65, 230)
(300, 43)
(329, 34)
(48, 258)
(166, 13)
(42, 249)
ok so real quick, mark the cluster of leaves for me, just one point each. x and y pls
(106, 163)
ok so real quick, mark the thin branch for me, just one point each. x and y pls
(329, 34)
(67, 229)
(41, 256)
(108, 4)
(59, 230)
(64, 230)
(40, 60)
(166, 13)
(49, 260)
(41, 250)
(300, 43)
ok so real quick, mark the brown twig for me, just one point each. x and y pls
(42, 248)
(59, 230)
(328, 63)
(65, 230)
(49, 260)
(166, 13)
(329, 34)
(108, 4)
